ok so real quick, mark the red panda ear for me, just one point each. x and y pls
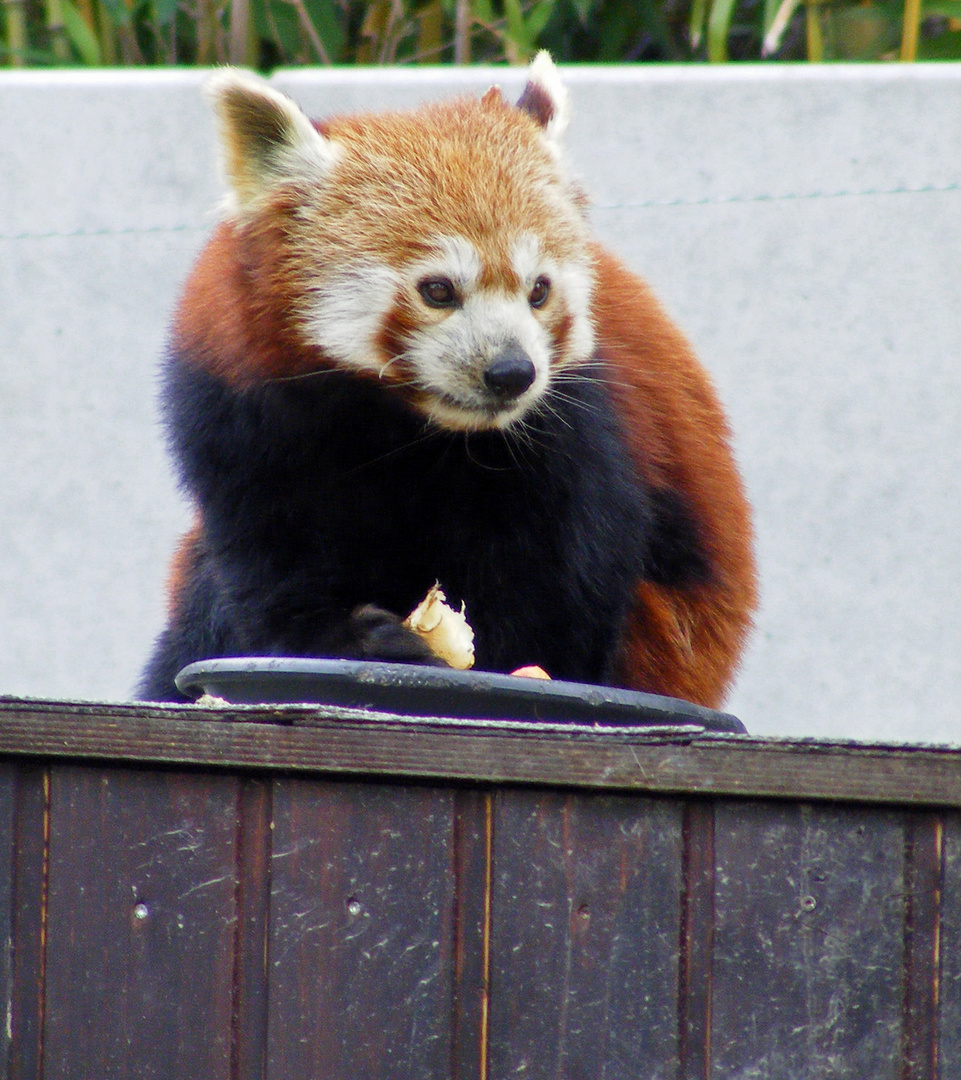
(265, 139)
(545, 97)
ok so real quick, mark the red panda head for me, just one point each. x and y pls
(443, 250)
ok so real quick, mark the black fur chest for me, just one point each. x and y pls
(541, 531)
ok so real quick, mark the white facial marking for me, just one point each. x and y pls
(450, 359)
(346, 313)
(527, 260)
(576, 279)
(456, 259)
(572, 280)
(455, 345)
(450, 352)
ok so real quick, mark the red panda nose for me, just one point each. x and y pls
(510, 373)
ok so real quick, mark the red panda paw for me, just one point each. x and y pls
(376, 634)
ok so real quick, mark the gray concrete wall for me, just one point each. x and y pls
(801, 223)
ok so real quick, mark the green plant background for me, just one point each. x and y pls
(271, 33)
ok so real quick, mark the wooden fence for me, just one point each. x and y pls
(314, 894)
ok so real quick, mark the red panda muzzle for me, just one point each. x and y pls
(510, 373)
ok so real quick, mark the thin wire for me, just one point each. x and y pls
(133, 230)
(640, 204)
(789, 196)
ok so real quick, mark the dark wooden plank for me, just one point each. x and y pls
(141, 925)
(361, 934)
(251, 984)
(949, 950)
(473, 835)
(697, 942)
(30, 875)
(809, 942)
(584, 941)
(8, 790)
(924, 836)
(330, 741)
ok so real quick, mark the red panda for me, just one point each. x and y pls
(401, 359)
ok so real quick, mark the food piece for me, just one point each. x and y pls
(532, 671)
(210, 701)
(446, 631)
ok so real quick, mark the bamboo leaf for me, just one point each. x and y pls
(775, 32)
(276, 22)
(768, 12)
(430, 32)
(950, 9)
(164, 11)
(326, 18)
(80, 34)
(696, 22)
(516, 28)
(625, 22)
(108, 34)
(815, 37)
(17, 41)
(539, 17)
(946, 46)
(718, 28)
(121, 13)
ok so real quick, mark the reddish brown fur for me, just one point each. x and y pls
(458, 162)
(182, 567)
(683, 642)
(235, 317)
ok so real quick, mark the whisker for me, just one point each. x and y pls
(553, 396)
(392, 360)
(474, 461)
(575, 372)
(548, 408)
(426, 435)
(518, 439)
(316, 373)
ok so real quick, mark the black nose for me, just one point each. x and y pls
(510, 373)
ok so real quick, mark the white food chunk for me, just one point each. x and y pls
(446, 631)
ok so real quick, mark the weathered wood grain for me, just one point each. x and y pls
(251, 979)
(923, 871)
(696, 974)
(8, 784)
(584, 940)
(31, 802)
(473, 835)
(140, 925)
(361, 932)
(949, 951)
(261, 893)
(809, 942)
(344, 742)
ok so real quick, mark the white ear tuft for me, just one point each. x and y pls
(545, 97)
(265, 139)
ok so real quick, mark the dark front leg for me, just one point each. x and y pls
(371, 633)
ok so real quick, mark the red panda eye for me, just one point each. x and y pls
(438, 292)
(538, 296)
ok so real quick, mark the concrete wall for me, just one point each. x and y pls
(802, 224)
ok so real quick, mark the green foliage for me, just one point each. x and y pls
(269, 33)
